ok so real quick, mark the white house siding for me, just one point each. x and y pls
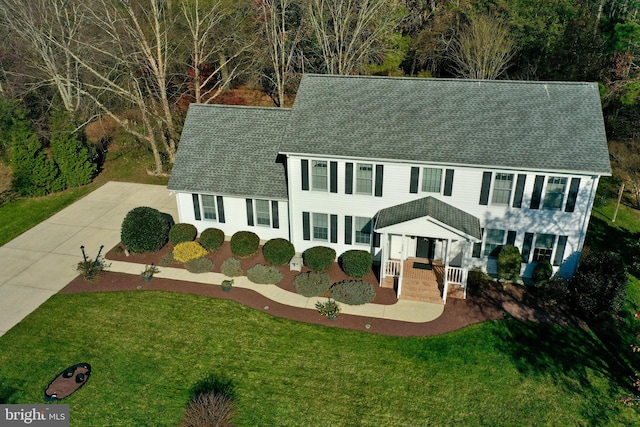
(466, 190)
(235, 213)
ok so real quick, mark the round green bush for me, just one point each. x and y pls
(212, 238)
(182, 232)
(319, 258)
(264, 274)
(278, 251)
(509, 263)
(200, 265)
(245, 243)
(144, 229)
(356, 263)
(542, 272)
(231, 267)
(312, 284)
(353, 292)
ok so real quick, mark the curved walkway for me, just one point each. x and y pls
(40, 262)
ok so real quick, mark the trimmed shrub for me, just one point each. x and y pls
(319, 258)
(212, 238)
(312, 283)
(353, 292)
(542, 272)
(244, 243)
(264, 274)
(182, 233)
(509, 263)
(200, 265)
(187, 251)
(553, 291)
(278, 251)
(356, 263)
(231, 267)
(144, 229)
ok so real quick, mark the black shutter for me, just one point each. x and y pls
(573, 195)
(517, 197)
(562, 244)
(484, 191)
(376, 240)
(275, 217)
(220, 209)
(334, 229)
(448, 182)
(250, 212)
(306, 227)
(196, 207)
(537, 192)
(526, 247)
(511, 238)
(477, 247)
(305, 174)
(379, 172)
(333, 177)
(347, 229)
(348, 178)
(413, 184)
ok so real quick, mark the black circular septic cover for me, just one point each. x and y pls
(67, 382)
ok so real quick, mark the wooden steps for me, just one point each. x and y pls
(421, 290)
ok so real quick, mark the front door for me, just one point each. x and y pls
(425, 248)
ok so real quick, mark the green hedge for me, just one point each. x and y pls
(319, 258)
(312, 283)
(182, 232)
(353, 292)
(144, 229)
(264, 274)
(244, 243)
(212, 238)
(356, 263)
(509, 263)
(278, 251)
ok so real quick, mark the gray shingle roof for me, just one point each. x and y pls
(512, 124)
(434, 208)
(231, 150)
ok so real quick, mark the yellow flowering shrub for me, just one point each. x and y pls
(186, 251)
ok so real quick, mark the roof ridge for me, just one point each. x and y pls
(248, 107)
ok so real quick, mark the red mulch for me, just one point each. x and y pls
(490, 303)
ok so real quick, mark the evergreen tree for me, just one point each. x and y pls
(73, 156)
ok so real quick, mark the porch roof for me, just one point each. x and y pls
(433, 208)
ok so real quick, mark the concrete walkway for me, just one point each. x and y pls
(40, 262)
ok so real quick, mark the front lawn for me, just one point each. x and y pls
(147, 349)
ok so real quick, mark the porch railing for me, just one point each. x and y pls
(392, 268)
(455, 275)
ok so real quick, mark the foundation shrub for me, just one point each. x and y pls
(353, 292)
(542, 272)
(200, 265)
(278, 251)
(477, 279)
(144, 229)
(231, 267)
(212, 238)
(319, 258)
(244, 243)
(312, 283)
(264, 274)
(554, 291)
(509, 263)
(356, 263)
(182, 232)
(187, 251)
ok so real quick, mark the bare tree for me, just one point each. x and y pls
(282, 36)
(352, 33)
(482, 49)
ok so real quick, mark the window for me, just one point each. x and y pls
(263, 213)
(554, 195)
(209, 207)
(319, 175)
(502, 189)
(543, 247)
(364, 178)
(320, 227)
(363, 230)
(493, 242)
(431, 179)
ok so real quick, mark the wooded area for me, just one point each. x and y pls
(141, 62)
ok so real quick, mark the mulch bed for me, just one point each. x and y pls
(490, 303)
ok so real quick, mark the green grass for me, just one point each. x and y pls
(148, 349)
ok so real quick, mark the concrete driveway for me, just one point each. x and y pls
(41, 261)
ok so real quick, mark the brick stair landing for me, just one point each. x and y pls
(421, 290)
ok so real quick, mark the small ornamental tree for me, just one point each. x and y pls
(144, 229)
(509, 263)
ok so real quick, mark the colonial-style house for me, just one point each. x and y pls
(432, 176)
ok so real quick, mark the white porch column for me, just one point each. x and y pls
(384, 256)
(445, 289)
(403, 256)
(468, 253)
